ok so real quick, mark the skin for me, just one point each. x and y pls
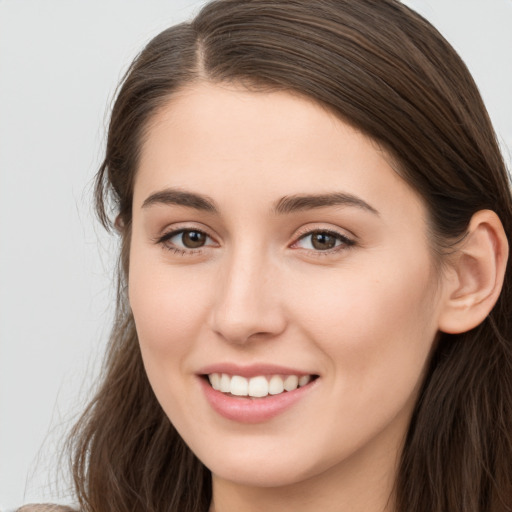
(363, 316)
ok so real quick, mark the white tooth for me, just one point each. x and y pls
(291, 382)
(214, 379)
(225, 383)
(239, 386)
(258, 387)
(275, 386)
(304, 380)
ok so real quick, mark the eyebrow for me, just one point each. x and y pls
(290, 204)
(285, 205)
(181, 198)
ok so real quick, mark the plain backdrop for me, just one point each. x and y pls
(60, 61)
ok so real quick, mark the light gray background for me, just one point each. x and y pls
(60, 61)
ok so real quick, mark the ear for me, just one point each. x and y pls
(475, 275)
(119, 224)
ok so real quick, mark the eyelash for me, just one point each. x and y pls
(345, 242)
(164, 241)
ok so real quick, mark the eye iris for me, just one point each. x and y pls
(323, 241)
(193, 239)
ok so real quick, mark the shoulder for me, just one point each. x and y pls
(45, 507)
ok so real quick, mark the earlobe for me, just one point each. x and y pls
(477, 271)
(119, 224)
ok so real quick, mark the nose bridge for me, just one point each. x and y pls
(247, 303)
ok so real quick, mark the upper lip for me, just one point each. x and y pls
(252, 370)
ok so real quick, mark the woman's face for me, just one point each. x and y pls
(272, 244)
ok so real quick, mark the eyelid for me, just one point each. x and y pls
(172, 231)
(347, 240)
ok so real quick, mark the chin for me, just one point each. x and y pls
(261, 475)
(255, 464)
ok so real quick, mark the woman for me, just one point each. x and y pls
(314, 288)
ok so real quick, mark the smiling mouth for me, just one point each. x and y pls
(259, 386)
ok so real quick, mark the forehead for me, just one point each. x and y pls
(222, 140)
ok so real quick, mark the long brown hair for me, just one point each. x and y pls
(385, 70)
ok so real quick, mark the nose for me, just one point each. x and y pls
(248, 303)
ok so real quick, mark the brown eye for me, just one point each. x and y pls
(193, 239)
(186, 240)
(323, 241)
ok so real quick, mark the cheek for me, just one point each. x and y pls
(169, 305)
(377, 326)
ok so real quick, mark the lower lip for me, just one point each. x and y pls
(253, 410)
